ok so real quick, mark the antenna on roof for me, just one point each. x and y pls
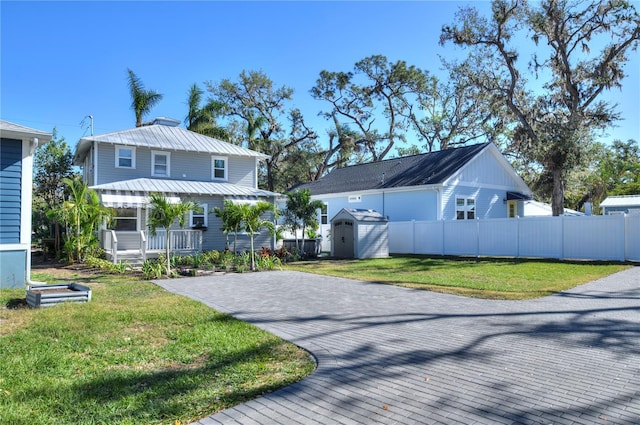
(90, 124)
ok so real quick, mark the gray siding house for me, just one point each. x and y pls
(125, 167)
(17, 145)
(453, 184)
(622, 204)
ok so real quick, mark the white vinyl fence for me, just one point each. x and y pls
(611, 237)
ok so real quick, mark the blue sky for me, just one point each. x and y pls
(62, 61)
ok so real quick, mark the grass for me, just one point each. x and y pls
(484, 278)
(135, 354)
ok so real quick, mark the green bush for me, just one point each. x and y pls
(99, 263)
(153, 269)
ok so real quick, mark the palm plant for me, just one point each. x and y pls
(142, 100)
(231, 220)
(203, 119)
(165, 214)
(301, 212)
(82, 214)
(252, 222)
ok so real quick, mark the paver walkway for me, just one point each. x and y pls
(394, 355)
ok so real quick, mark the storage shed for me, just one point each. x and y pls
(359, 233)
(626, 204)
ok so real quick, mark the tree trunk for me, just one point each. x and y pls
(168, 248)
(253, 255)
(557, 201)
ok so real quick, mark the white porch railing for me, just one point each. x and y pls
(110, 243)
(180, 240)
(141, 243)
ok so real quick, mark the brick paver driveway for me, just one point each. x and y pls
(394, 355)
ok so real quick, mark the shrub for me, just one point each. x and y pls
(153, 269)
(98, 263)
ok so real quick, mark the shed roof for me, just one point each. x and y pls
(415, 170)
(621, 201)
(188, 187)
(362, 215)
(12, 130)
(164, 137)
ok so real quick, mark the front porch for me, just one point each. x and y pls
(136, 247)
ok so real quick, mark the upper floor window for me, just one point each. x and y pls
(125, 157)
(218, 168)
(465, 208)
(160, 164)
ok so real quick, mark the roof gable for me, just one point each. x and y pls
(163, 137)
(16, 131)
(416, 170)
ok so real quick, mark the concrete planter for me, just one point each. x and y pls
(49, 295)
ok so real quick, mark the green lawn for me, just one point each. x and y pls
(135, 354)
(485, 278)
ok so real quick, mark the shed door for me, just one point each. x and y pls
(343, 239)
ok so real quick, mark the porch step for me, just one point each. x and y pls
(132, 257)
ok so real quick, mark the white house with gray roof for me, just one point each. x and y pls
(462, 183)
(125, 167)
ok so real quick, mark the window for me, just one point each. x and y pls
(160, 163)
(465, 208)
(125, 157)
(125, 219)
(198, 216)
(512, 209)
(324, 214)
(218, 168)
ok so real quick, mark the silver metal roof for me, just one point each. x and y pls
(12, 130)
(362, 215)
(621, 201)
(164, 137)
(187, 187)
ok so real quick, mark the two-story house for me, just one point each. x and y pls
(125, 167)
(17, 146)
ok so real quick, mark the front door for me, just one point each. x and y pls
(343, 239)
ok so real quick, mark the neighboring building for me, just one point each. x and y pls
(359, 234)
(17, 145)
(535, 209)
(125, 167)
(453, 184)
(625, 204)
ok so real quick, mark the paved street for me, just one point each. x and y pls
(393, 355)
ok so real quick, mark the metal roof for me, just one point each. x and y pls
(362, 215)
(621, 201)
(164, 137)
(188, 187)
(12, 130)
(415, 170)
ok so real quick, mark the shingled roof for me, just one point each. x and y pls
(415, 170)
